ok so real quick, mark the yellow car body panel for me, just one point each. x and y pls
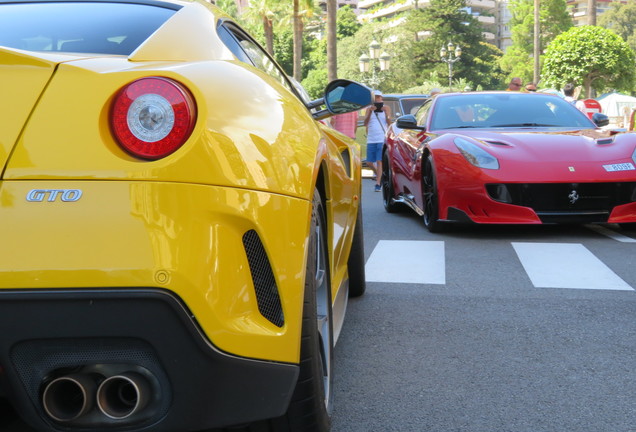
(22, 78)
(192, 23)
(254, 145)
(262, 140)
(199, 277)
(184, 238)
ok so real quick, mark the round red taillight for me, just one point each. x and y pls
(152, 117)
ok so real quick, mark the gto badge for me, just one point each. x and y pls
(574, 197)
(51, 195)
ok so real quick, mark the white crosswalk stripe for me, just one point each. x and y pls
(548, 265)
(566, 265)
(395, 261)
(611, 233)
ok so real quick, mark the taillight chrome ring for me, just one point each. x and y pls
(153, 117)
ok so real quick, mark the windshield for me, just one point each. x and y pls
(104, 28)
(506, 110)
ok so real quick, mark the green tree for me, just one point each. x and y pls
(621, 18)
(283, 47)
(518, 61)
(396, 43)
(592, 56)
(414, 48)
(229, 7)
(315, 82)
(347, 22)
(445, 21)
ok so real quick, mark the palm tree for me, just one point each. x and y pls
(537, 41)
(591, 12)
(302, 10)
(332, 63)
(265, 11)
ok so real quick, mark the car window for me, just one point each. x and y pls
(411, 105)
(79, 27)
(422, 113)
(248, 51)
(500, 110)
(394, 106)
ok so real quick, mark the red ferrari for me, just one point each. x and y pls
(508, 158)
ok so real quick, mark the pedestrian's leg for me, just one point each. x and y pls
(378, 179)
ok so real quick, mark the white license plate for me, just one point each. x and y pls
(619, 167)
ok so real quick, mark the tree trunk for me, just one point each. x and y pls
(587, 86)
(591, 12)
(268, 28)
(332, 62)
(298, 41)
(537, 41)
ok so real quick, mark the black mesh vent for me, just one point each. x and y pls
(264, 283)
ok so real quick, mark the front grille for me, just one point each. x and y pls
(588, 202)
(264, 282)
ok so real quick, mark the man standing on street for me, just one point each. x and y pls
(376, 122)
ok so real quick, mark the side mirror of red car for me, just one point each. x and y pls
(408, 122)
(600, 119)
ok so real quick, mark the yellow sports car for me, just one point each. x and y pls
(180, 232)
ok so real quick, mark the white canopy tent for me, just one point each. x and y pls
(616, 104)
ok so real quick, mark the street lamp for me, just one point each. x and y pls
(450, 60)
(374, 63)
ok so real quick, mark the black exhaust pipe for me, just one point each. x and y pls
(69, 397)
(121, 396)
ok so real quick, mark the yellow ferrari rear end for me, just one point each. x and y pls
(180, 233)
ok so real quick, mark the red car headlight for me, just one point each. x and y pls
(152, 117)
(476, 155)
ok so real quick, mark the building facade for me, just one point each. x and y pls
(483, 10)
(578, 10)
(493, 14)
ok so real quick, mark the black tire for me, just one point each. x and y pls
(388, 193)
(357, 277)
(310, 406)
(430, 197)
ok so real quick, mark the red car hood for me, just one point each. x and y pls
(581, 155)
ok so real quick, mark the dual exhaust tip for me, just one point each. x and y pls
(118, 397)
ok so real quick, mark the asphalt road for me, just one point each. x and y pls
(515, 329)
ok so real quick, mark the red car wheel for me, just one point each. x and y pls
(388, 193)
(430, 196)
